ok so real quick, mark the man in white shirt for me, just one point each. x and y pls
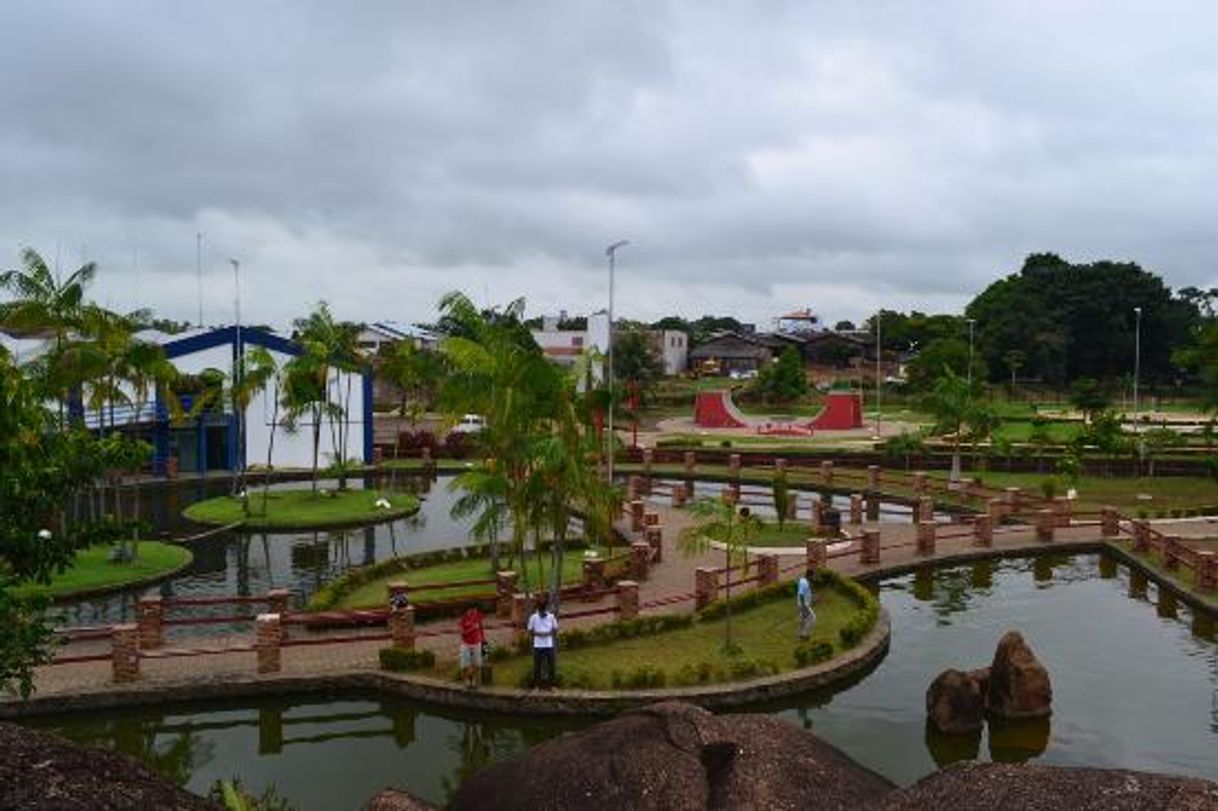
(803, 602)
(543, 626)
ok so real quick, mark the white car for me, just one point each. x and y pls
(470, 424)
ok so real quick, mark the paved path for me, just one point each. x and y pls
(669, 580)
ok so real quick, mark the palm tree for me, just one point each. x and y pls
(484, 493)
(950, 402)
(720, 522)
(304, 396)
(333, 353)
(256, 370)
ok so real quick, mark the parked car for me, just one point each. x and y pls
(743, 374)
(470, 424)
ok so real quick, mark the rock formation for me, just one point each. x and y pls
(1019, 684)
(955, 703)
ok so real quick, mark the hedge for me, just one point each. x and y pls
(401, 660)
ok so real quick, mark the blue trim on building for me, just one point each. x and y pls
(228, 335)
(367, 380)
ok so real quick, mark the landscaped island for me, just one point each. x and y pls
(304, 509)
(94, 570)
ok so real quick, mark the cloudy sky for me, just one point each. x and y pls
(759, 155)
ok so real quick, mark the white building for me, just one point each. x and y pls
(373, 336)
(564, 346)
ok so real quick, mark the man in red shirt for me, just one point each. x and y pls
(472, 637)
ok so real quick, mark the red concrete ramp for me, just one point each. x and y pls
(715, 409)
(843, 411)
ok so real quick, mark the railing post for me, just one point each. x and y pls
(1045, 522)
(856, 508)
(767, 569)
(691, 462)
(983, 530)
(1207, 571)
(651, 518)
(818, 515)
(124, 653)
(873, 477)
(1110, 522)
(869, 551)
(997, 507)
(781, 465)
(731, 493)
(826, 472)
(637, 507)
(926, 538)
(648, 458)
(267, 639)
(926, 509)
(733, 464)
(594, 573)
(816, 553)
(919, 483)
(1062, 509)
(401, 626)
(399, 592)
(706, 586)
(678, 495)
(1013, 498)
(1141, 535)
(640, 560)
(277, 601)
(505, 587)
(627, 599)
(150, 616)
(634, 486)
(871, 501)
(1171, 552)
(654, 538)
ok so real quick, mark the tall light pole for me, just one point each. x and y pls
(611, 252)
(879, 318)
(971, 322)
(1137, 366)
(238, 372)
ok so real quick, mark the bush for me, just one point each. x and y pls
(751, 669)
(402, 660)
(411, 441)
(624, 629)
(678, 442)
(750, 599)
(812, 653)
(457, 445)
(644, 677)
(726, 443)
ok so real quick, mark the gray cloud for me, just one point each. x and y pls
(377, 154)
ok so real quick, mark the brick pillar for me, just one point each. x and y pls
(1171, 552)
(767, 569)
(826, 472)
(731, 493)
(277, 601)
(869, 551)
(1061, 512)
(398, 590)
(267, 639)
(691, 462)
(926, 537)
(1110, 522)
(816, 553)
(124, 653)
(678, 495)
(637, 508)
(996, 507)
(522, 609)
(1013, 497)
(640, 559)
(401, 626)
(1045, 522)
(873, 477)
(706, 586)
(505, 587)
(634, 486)
(733, 464)
(926, 509)
(781, 465)
(856, 508)
(919, 483)
(594, 573)
(871, 502)
(1141, 535)
(627, 599)
(648, 458)
(818, 515)
(651, 518)
(150, 614)
(654, 537)
(1207, 571)
(983, 530)
(425, 453)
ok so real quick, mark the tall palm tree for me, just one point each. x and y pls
(334, 356)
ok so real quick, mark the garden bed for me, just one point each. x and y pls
(93, 571)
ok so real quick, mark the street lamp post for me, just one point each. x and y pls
(1137, 367)
(971, 323)
(879, 318)
(238, 376)
(611, 252)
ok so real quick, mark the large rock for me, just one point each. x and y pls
(1019, 684)
(1027, 787)
(43, 771)
(677, 756)
(397, 799)
(955, 704)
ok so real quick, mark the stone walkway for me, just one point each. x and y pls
(671, 581)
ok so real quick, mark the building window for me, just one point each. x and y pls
(577, 340)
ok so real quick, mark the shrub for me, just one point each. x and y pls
(1048, 488)
(402, 660)
(410, 441)
(457, 445)
(750, 599)
(624, 629)
(726, 443)
(644, 677)
(811, 653)
(499, 653)
(751, 669)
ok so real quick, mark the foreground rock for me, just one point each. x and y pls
(677, 756)
(1019, 684)
(1026, 787)
(43, 771)
(955, 703)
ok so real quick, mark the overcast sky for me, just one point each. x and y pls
(761, 156)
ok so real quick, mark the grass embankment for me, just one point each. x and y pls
(303, 509)
(372, 593)
(1166, 493)
(1184, 577)
(92, 570)
(764, 633)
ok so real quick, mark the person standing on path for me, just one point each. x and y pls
(472, 638)
(543, 626)
(803, 600)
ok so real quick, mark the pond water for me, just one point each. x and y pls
(1135, 680)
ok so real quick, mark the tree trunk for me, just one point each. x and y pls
(316, 443)
(270, 450)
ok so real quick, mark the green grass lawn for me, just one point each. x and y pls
(373, 594)
(93, 570)
(794, 533)
(1094, 492)
(1021, 431)
(764, 633)
(303, 509)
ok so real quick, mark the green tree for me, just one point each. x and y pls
(717, 521)
(635, 360)
(784, 380)
(950, 402)
(781, 492)
(942, 354)
(1090, 397)
(333, 355)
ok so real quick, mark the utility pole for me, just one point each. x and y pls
(611, 252)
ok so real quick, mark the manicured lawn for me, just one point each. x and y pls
(373, 594)
(303, 509)
(1094, 492)
(763, 633)
(793, 534)
(1021, 431)
(93, 569)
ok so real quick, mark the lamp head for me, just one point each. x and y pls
(621, 243)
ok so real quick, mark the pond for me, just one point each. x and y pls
(1135, 680)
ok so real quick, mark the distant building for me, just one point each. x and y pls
(564, 346)
(727, 352)
(672, 348)
(799, 322)
(372, 337)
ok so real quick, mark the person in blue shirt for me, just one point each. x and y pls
(803, 600)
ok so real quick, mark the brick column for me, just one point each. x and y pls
(826, 472)
(594, 573)
(627, 599)
(401, 626)
(856, 508)
(926, 509)
(637, 507)
(919, 483)
(1171, 552)
(926, 538)
(816, 553)
(640, 559)
(1141, 535)
(983, 530)
(634, 486)
(706, 586)
(1207, 571)
(648, 458)
(767, 569)
(1045, 522)
(731, 493)
(691, 462)
(733, 464)
(277, 601)
(1013, 497)
(654, 537)
(873, 477)
(678, 495)
(150, 614)
(781, 465)
(267, 636)
(869, 551)
(997, 507)
(651, 518)
(871, 503)
(1110, 522)
(124, 653)
(397, 589)
(505, 587)
(1061, 512)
